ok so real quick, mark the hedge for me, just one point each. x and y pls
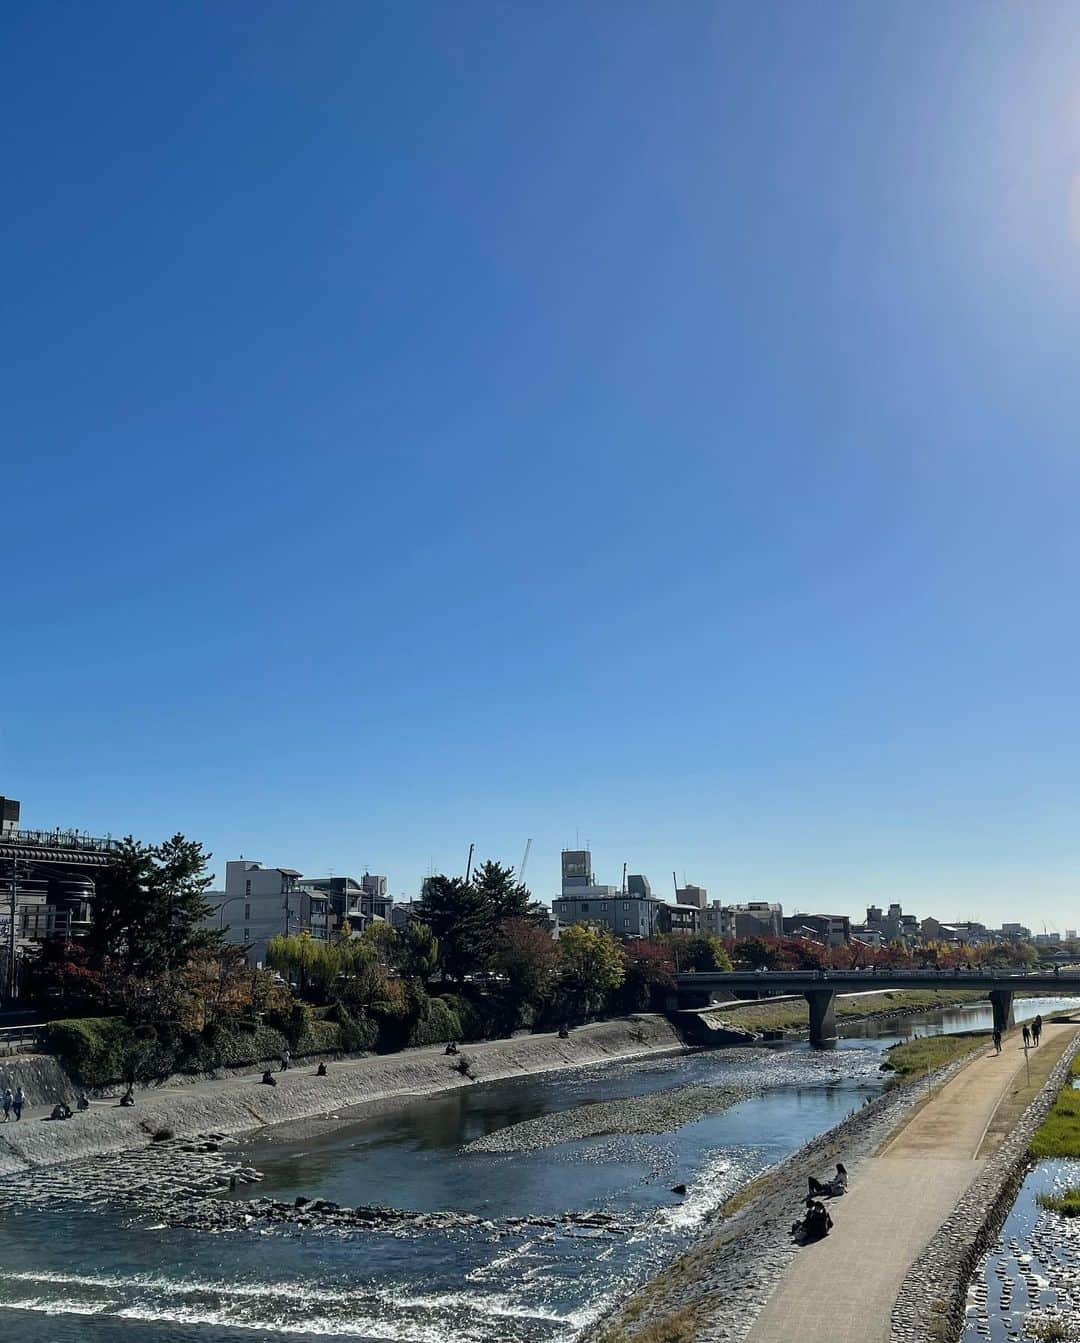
(102, 1051)
(436, 1024)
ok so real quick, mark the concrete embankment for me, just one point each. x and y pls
(239, 1104)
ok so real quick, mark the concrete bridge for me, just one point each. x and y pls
(820, 987)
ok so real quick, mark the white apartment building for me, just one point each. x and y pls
(259, 902)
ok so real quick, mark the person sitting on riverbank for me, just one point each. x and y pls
(60, 1111)
(83, 1103)
(816, 1225)
(320, 1071)
(128, 1098)
(268, 1079)
(829, 1188)
(451, 1048)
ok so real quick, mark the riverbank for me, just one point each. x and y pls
(911, 1162)
(790, 1014)
(240, 1104)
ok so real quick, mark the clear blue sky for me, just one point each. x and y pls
(434, 423)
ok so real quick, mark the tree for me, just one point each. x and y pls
(525, 956)
(650, 973)
(459, 915)
(417, 950)
(701, 951)
(150, 907)
(591, 967)
(506, 898)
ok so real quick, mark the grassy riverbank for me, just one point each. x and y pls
(916, 1057)
(1059, 1133)
(791, 1014)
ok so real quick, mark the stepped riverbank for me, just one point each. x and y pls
(239, 1104)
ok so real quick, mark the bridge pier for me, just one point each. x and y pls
(822, 1016)
(1001, 1000)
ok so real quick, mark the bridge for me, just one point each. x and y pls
(820, 987)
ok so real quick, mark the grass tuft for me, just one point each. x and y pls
(1067, 1202)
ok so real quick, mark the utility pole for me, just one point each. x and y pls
(624, 878)
(468, 865)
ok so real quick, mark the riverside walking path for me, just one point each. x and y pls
(842, 1289)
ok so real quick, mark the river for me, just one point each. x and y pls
(100, 1275)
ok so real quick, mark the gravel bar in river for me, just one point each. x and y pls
(658, 1113)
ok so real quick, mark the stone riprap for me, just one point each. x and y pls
(932, 1297)
(236, 1105)
(659, 1112)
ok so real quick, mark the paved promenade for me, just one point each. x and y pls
(842, 1289)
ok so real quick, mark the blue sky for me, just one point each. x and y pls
(657, 424)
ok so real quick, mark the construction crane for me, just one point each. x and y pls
(524, 860)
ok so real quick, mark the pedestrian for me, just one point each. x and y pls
(1027, 1037)
(7, 1104)
(997, 1042)
(17, 1102)
(1036, 1030)
(285, 1057)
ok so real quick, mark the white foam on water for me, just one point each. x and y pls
(293, 1291)
(405, 1331)
(57, 1306)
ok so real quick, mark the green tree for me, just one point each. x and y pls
(591, 967)
(506, 897)
(701, 951)
(150, 907)
(459, 915)
(417, 950)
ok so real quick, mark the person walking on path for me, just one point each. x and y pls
(285, 1057)
(1027, 1037)
(7, 1104)
(1036, 1029)
(17, 1102)
(997, 1042)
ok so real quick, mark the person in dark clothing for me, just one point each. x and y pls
(268, 1079)
(1036, 1029)
(17, 1102)
(1027, 1037)
(817, 1223)
(128, 1098)
(320, 1071)
(997, 1042)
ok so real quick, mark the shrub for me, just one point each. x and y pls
(436, 1024)
(472, 1022)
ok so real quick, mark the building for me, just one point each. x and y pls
(359, 902)
(259, 902)
(756, 918)
(624, 913)
(677, 918)
(1015, 932)
(832, 930)
(691, 895)
(894, 926)
(54, 875)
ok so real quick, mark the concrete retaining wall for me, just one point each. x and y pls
(236, 1105)
(43, 1080)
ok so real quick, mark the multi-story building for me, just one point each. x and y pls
(894, 926)
(756, 918)
(691, 895)
(359, 902)
(832, 930)
(54, 875)
(584, 901)
(1016, 932)
(259, 902)
(677, 918)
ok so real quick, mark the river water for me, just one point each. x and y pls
(74, 1273)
